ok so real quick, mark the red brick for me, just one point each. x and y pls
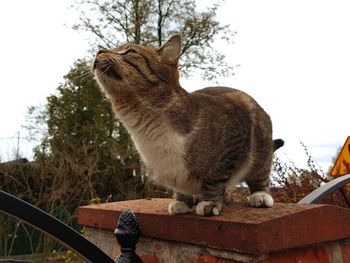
(157, 246)
(308, 255)
(150, 259)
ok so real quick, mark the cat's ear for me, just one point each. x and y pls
(171, 50)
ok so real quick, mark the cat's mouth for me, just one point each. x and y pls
(106, 68)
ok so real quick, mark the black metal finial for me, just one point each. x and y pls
(128, 234)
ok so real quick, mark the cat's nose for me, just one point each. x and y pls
(96, 61)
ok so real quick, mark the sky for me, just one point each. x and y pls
(293, 57)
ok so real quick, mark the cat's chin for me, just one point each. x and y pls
(109, 81)
(108, 74)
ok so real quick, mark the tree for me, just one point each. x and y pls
(84, 154)
(151, 22)
(86, 142)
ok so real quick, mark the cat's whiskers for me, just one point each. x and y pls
(86, 77)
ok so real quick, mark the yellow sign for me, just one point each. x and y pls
(342, 164)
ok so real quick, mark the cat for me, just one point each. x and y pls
(196, 144)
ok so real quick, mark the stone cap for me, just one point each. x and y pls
(240, 228)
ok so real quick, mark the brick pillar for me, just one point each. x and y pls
(285, 233)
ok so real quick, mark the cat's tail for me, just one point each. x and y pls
(278, 143)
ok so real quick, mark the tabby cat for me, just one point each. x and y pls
(196, 143)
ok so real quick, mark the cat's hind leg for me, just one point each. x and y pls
(261, 199)
(182, 205)
(259, 189)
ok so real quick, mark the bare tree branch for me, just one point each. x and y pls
(151, 21)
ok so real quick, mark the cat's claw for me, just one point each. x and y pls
(261, 199)
(209, 208)
(178, 208)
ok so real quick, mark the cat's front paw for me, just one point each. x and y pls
(209, 208)
(261, 199)
(178, 208)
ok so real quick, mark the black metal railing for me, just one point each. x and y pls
(46, 223)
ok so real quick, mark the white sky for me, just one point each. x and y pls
(294, 59)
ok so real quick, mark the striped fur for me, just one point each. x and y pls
(194, 143)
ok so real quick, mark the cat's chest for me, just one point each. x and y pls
(163, 151)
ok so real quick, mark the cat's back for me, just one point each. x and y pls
(216, 91)
(229, 111)
(230, 126)
(226, 98)
(223, 115)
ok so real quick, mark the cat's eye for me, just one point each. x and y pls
(127, 51)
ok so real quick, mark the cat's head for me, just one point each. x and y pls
(142, 71)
